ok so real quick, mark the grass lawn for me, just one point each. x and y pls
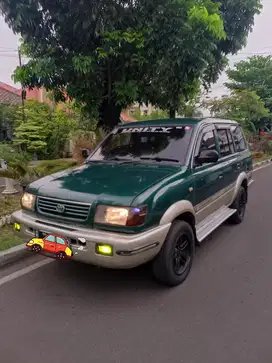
(9, 205)
(9, 238)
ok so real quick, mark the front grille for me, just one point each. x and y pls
(63, 208)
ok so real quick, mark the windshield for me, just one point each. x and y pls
(158, 144)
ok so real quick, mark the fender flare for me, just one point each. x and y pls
(243, 176)
(175, 210)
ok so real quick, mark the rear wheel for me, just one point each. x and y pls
(240, 206)
(36, 248)
(173, 263)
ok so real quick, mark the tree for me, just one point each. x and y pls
(31, 131)
(44, 130)
(155, 115)
(243, 106)
(253, 74)
(60, 128)
(107, 54)
(190, 109)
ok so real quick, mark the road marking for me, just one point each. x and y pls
(261, 167)
(24, 271)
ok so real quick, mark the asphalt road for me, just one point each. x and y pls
(68, 312)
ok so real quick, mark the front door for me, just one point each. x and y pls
(61, 245)
(206, 176)
(50, 244)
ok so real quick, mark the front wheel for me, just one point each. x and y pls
(61, 255)
(240, 205)
(173, 263)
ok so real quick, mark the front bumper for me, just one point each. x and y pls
(128, 250)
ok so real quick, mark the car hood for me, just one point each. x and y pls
(105, 183)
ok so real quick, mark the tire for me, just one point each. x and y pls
(61, 256)
(178, 251)
(36, 248)
(240, 205)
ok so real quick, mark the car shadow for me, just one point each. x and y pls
(86, 276)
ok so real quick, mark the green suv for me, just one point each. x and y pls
(150, 192)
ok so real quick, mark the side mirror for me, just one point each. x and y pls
(207, 157)
(85, 153)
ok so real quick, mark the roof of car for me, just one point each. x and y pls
(176, 121)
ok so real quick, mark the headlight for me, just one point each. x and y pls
(120, 216)
(28, 201)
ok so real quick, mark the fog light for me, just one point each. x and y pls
(105, 250)
(17, 226)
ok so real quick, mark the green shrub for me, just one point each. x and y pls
(47, 167)
(13, 156)
(9, 205)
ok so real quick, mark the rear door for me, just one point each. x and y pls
(206, 176)
(228, 161)
(244, 160)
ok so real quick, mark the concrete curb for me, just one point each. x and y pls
(258, 165)
(13, 254)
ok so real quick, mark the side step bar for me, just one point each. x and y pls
(214, 220)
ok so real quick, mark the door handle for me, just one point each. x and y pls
(239, 166)
(220, 177)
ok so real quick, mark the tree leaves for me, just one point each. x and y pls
(109, 53)
(243, 106)
(254, 74)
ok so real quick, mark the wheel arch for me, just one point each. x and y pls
(182, 210)
(242, 180)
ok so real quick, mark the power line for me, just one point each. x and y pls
(5, 48)
(255, 53)
(8, 56)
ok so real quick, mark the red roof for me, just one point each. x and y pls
(9, 88)
(126, 118)
(9, 94)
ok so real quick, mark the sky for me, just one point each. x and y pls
(259, 42)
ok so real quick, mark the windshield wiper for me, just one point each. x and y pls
(92, 161)
(160, 159)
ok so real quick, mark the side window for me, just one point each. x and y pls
(231, 143)
(239, 139)
(60, 241)
(50, 239)
(225, 147)
(207, 142)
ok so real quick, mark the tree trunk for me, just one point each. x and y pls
(172, 113)
(109, 115)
